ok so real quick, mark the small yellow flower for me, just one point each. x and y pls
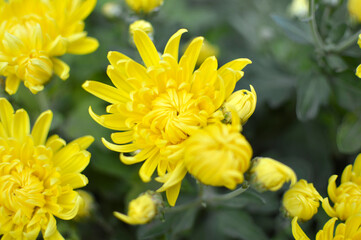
(354, 8)
(143, 26)
(86, 206)
(243, 102)
(218, 155)
(269, 174)
(37, 175)
(299, 8)
(35, 33)
(207, 50)
(141, 210)
(347, 196)
(302, 200)
(358, 70)
(144, 6)
(350, 230)
(156, 107)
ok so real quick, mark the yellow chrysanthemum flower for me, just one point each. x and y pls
(37, 175)
(158, 106)
(299, 8)
(358, 70)
(269, 174)
(142, 25)
(302, 200)
(243, 102)
(218, 155)
(144, 6)
(34, 33)
(347, 196)
(141, 210)
(354, 8)
(351, 230)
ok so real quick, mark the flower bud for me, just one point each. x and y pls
(218, 155)
(269, 174)
(86, 205)
(243, 102)
(141, 210)
(144, 6)
(354, 8)
(299, 8)
(302, 200)
(143, 26)
(111, 10)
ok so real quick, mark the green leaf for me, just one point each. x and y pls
(348, 134)
(296, 31)
(238, 224)
(312, 92)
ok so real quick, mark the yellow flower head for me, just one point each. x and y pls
(269, 174)
(218, 155)
(350, 230)
(347, 196)
(34, 33)
(141, 210)
(354, 8)
(243, 102)
(358, 70)
(302, 200)
(156, 107)
(143, 26)
(144, 6)
(86, 206)
(37, 175)
(299, 8)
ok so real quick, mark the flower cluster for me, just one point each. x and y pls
(35, 33)
(158, 107)
(37, 175)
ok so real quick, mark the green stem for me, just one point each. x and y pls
(230, 195)
(316, 35)
(347, 43)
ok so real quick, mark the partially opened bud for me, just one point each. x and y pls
(141, 210)
(269, 174)
(144, 6)
(302, 200)
(143, 26)
(243, 102)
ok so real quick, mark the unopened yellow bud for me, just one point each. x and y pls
(302, 200)
(358, 70)
(243, 102)
(218, 155)
(207, 50)
(86, 205)
(111, 10)
(354, 8)
(144, 6)
(299, 8)
(269, 174)
(141, 210)
(143, 26)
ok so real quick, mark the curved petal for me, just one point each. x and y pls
(146, 48)
(172, 46)
(41, 128)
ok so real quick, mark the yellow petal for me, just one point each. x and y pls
(122, 137)
(172, 194)
(172, 46)
(70, 202)
(12, 84)
(21, 125)
(3, 65)
(105, 92)
(357, 165)
(358, 71)
(74, 164)
(58, 46)
(61, 68)
(124, 218)
(75, 180)
(174, 177)
(111, 121)
(83, 46)
(328, 209)
(55, 143)
(6, 115)
(148, 168)
(189, 59)
(114, 57)
(41, 127)
(120, 148)
(146, 48)
(141, 156)
(50, 227)
(297, 232)
(83, 142)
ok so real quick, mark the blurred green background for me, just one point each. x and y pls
(307, 115)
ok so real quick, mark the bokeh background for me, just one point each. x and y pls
(307, 115)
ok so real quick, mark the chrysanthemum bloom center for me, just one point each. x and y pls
(171, 113)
